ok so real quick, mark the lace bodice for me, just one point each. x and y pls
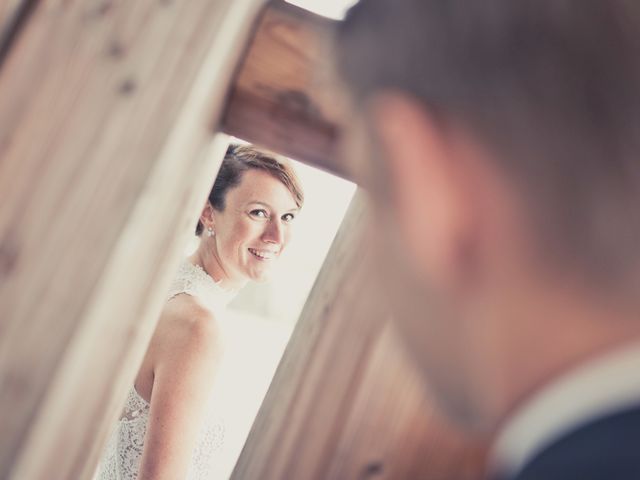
(193, 280)
(123, 452)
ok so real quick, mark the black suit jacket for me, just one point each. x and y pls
(604, 449)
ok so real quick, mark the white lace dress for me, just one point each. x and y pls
(123, 452)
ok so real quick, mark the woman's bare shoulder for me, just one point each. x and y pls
(185, 327)
(186, 353)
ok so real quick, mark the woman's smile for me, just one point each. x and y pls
(263, 255)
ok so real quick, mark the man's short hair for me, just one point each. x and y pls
(551, 87)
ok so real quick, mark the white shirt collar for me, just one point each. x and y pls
(592, 390)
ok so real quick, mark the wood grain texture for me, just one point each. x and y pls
(345, 402)
(282, 97)
(393, 431)
(107, 110)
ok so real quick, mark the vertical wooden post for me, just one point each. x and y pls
(107, 110)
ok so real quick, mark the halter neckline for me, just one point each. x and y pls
(194, 280)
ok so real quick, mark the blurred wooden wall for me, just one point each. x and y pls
(110, 113)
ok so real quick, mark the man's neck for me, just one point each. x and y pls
(541, 340)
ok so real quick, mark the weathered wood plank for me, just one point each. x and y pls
(106, 116)
(281, 97)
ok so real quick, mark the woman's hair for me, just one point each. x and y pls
(239, 159)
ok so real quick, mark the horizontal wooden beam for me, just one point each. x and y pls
(282, 97)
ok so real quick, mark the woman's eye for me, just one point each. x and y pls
(258, 213)
(288, 217)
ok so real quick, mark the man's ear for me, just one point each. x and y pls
(428, 186)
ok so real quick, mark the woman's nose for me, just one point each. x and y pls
(274, 232)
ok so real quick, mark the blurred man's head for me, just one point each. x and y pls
(503, 139)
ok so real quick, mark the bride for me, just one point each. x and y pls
(166, 430)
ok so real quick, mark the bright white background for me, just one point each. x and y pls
(329, 8)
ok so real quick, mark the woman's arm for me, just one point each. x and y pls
(185, 358)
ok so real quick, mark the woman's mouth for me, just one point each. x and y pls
(263, 254)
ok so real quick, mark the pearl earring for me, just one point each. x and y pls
(210, 232)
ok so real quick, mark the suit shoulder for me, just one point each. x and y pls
(601, 449)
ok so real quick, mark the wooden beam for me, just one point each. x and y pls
(106, 156)
(281, 97)
(345, 402)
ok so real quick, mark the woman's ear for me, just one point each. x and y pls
(207, 217)
(427, 185)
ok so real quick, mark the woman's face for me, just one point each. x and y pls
(254, 228)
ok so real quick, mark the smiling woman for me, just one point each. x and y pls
(168, 428)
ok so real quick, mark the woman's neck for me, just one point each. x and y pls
(211, 264)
